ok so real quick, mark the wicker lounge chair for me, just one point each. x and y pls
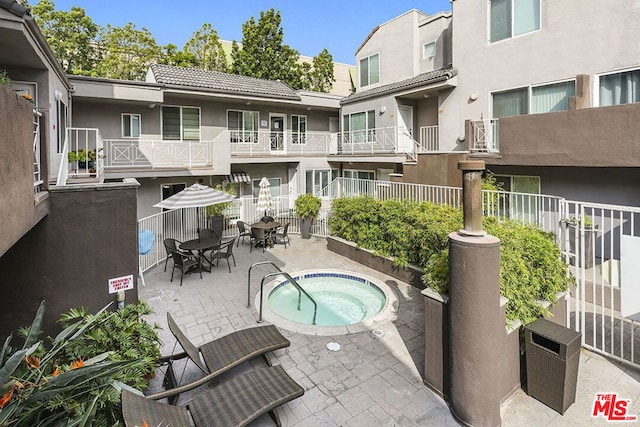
(233, 403)
(222, 354)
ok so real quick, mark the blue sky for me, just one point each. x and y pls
(309, 25)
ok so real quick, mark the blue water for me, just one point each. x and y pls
(341, 301)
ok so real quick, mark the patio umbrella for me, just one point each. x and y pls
(265, 200)
(197, 195)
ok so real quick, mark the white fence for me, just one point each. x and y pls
(601, 244)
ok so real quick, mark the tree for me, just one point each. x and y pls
(179, 58)
(205, 46)
(321, 76)
(263, 53)
(71, 35)
(127, 52)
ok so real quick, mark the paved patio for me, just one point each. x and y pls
(375, 379)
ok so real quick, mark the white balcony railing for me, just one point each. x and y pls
(121, 153)
(429, 139)
(485, 136)
(361, 142)
(82, 155)
(37, 171)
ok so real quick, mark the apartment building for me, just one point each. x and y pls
(54, 240)
(545, 92)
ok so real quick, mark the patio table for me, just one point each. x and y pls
(201, 245)
(269, 228)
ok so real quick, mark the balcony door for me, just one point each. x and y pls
(405, 129)
(276, 135)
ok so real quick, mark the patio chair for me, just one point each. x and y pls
(224, 251)
(284, 235)
(236, 402)
(171, 245)
(258, 235)
(218, 356)
(185, 262)
(242, 232)
(207, 233)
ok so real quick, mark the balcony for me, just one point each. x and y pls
(371, 142)
(590, 137)
(485, 136)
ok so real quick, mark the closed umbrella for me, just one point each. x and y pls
(197, 195)
(265, 200)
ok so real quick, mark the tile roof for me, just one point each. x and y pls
(222, 82)
(15, 8)
(423, 79)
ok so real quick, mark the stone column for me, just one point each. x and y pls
(476, 324)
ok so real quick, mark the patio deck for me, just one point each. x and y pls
(375, 379)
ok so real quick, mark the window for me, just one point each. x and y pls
(620, 88)
(429, 50)
(535, 99)
(510, 18)
(298, 129)
(553, 97)
(243, 126)
(318, 179)
(370, 70)
(274, 186)
(130, 125)
(61, 119)
(358, 174)
(359, 127)
(181, 123)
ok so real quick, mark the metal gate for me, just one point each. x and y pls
(601, 244)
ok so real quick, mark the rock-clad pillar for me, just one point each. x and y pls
(475, 319)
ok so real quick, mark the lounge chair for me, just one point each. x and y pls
(233, 403)
(221, 354)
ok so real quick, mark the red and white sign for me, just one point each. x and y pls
(611, 408)
(123, 283)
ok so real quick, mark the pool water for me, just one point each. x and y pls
(342, 299)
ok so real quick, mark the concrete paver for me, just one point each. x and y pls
(375, 378)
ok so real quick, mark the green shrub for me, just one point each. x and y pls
(531, 268)
(308, 206)
(60, 384)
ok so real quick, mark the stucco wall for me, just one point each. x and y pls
(592, 137)
(574, 39)
(89, 237)
(18, 210)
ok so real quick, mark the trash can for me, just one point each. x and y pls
(553, 356)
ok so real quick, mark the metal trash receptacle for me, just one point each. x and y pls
(553, 356)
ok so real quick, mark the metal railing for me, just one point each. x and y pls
(37, 177)
(87, 146)
(123, 153)
(429, 139)
(485, 136)
(289, 278)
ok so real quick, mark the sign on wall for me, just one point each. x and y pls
(123, 283)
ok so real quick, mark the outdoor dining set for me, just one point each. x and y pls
(199, 254)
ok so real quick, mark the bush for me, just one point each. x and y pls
(531, 268)
(70, 381)
(308, 206)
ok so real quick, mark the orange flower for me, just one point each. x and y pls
(144, 424)
(56, 372)
(33, 362)
(7, 396)
(77, 364)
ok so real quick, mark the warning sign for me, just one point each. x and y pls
(123, 283)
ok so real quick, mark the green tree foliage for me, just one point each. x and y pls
(321, 76)
(204, 45)
(171, 55)
(127, 52)
(71, 35)
(263, 53)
